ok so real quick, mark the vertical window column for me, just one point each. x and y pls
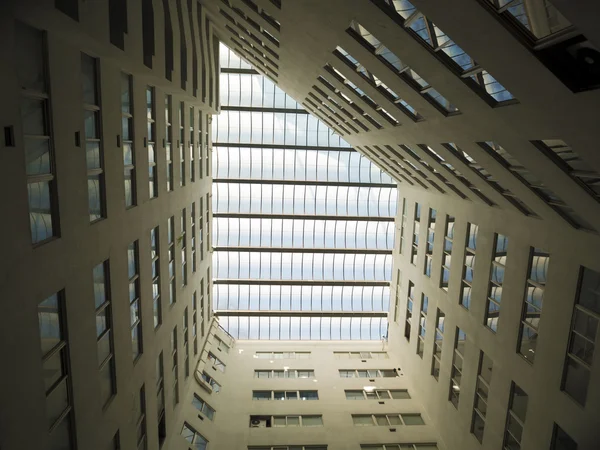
(151, 142)
(55, 364)
(134, 299)
(457, 366)
(175, 371)
(181, 144)
(492, 310)
(94, 155)
(201, 144)
(140, 406)
(155, 255)
(207, 130)
(201, 312)
(515, 419)
(469, 264)
(183, 238)
(403, 224)
(436, 359)
(409, 308)
(416, 228)
(160, 398)
(195, 322)
(172, 278)
(191, 145)
(106, 360)
(186, 353)
(193, 235)
(422, 325)
(207, 215)
(447, 256)
(169, 141)
(201, 228)
(127, 130)
(398, 288)
(430, 240)
(36, 115)
(582, 340)
(532, 304)
(482, 389)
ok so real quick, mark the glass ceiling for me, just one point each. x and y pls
(303, 224)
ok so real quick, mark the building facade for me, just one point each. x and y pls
(488, 128)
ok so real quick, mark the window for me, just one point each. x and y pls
(398, 288)
(530, 180)
(290, 447)
(285, 395)
(482, 388)
(568, 160)
(282, 355)
(183, 242)
(31, 59)
(186, 353)
(197, 441)
(387, 420)
(360, 355)
(168, 144)
(416, 229)
(193, 235)
(377, 394)
(160, 396)
(369, 373)
(469, 266)
(191, 145)
(457, 366)
(221, 346)
(284, 374)
(140, 419)
(195, 322)
(551, 37)
(181, 144)
(436, 360)
(56, 376)
(561, 440)
(216, 362)
(172, 274)
(480, 171)
(286, 421)
(430, 240)
(134, 299)
(94, 154)
(409, 308)
(216, 387)
(200, 228)
(402, 446)
(127, 139)
(155, 261)
(175, 370)
(151, 142)
(403, 224)
(582, 340)
(515, 419)
(532, 303)
(106, 360)
(447, 256)
(408, 75)
(445, 49)
(203, 407)
(492, 311)
(422, 325)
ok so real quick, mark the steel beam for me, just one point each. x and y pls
(254, 282)
(302, 217)
(288, 313)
